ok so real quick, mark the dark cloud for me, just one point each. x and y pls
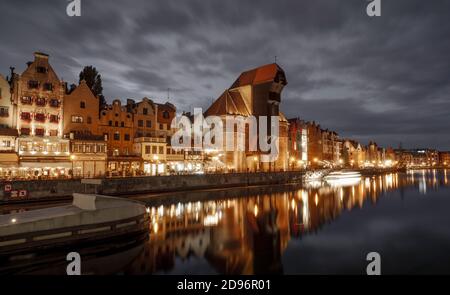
(383, 78)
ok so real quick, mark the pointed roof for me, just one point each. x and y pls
(229, 103)
(262, 74)
(82, 90)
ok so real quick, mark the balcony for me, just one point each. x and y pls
(39, 132)
(39, 118)
(25, 116)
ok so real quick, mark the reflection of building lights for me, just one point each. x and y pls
(147, 210)
(255, 210)
(211, 220)
(293, 204)
(155, 227)
(316, 199)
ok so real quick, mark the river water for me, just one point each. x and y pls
(319, 228)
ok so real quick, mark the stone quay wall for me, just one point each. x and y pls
(57, 189)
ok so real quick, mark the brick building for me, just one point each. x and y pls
(81, 126)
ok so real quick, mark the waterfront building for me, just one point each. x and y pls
(37, 95)
(444, 159)
(256, 92)
(152, 132)
(298, 144)
(373, 157)
(352, 154)
(315, 146)
(9, 159)
(116, 125)
(81, 126)
(6, 106)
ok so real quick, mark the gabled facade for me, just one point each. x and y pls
(38, 96)
(81, 125)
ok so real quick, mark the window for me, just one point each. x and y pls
(140, 123)
(40, 117)
(25, 131)
(122, 124)
(149, 124)
(145, 111)
(110, 123)
(77, 119)
(41, 70)
(105, 136)
(147, 149)
(54, 103)
(26, 100)
(117, 136)
(39, 131)
(53, 132)
(4, 112)
(82, 105)
(117, 115)
(161, 150)
(116, 124)
(40, 101)
(89, 120)
(32, 84)
(127, 137)
(161, 127)
(166, 115)
(154, 151)
(48, 87)
(54, 119)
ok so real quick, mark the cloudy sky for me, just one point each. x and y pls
(385, 78)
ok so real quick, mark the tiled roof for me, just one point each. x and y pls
(258, 75)
(229, 103)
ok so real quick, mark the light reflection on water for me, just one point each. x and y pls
(250, 234)
(320, 228)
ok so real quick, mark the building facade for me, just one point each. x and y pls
(116, 125)
(38, 97)
(298, 144)
(81, 125)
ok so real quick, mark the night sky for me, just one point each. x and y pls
(385, 78)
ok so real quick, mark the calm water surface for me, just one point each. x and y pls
(322, 228)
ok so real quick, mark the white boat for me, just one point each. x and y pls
(342, 175)
(343, 178)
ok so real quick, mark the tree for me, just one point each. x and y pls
(94, 82)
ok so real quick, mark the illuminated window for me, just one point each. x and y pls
(77, 119)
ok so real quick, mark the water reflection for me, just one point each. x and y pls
(249, 231)
(249, 235)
